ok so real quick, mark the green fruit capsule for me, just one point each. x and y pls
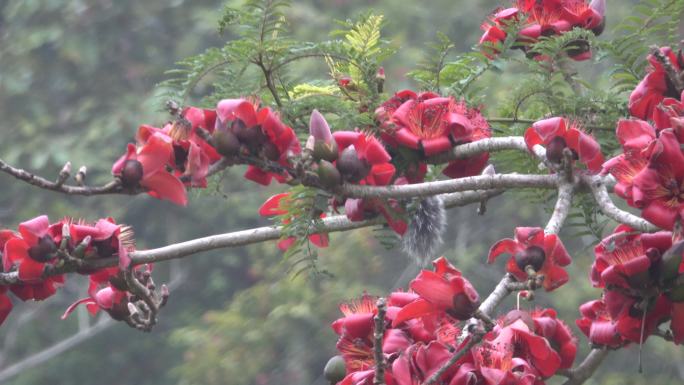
(670, 262)
(328, 175)
(335, 370)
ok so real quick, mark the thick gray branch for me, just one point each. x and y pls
(480, 182)
(600, 192)
(477, 147)
(246, 237)
(562, 208)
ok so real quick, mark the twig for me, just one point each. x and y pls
(113, 187)
(474, 340)
(581, 373)
(608, 208)
(378, 334)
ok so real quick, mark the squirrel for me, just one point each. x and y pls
(423, 237)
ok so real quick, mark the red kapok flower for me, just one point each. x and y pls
(432, 124)
(277, 205)
(494, 364)
(626, 257)
(634, 136)
(419, 362)
(444, 290)
(145, 166)
(658, 190)
(559, 335)
(620, 323)
(526, 344)
(546, 18)
(670, 114)
(262, 133)
(656, 86)
(597, 324)
(556, 134)
(30, 251)
(545, 253)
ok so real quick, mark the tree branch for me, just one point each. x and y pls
(378, 334)
(331, 224)
(479, 146)
(112, 187)
(480, 182)
(600, 193)
(561, 210)
(581, 373)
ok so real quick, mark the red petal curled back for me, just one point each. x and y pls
(435, 145)
(434, 288)
(345, 139)
(258, 175)
(155, 154)
(381, 174)
(163, 185)
(415, 309)
(550, 128)
(230, 109)
(34, 229)
(16, 251)
(372, 150)
(507, 245)
(273, 205)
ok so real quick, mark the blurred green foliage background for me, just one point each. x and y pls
(78, 77)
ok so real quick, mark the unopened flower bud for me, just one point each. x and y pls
(335, 370)
(131, 173)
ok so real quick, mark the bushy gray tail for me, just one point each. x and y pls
(424, 235)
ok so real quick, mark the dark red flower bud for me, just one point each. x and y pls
(464, 307)
(328, 175)
(270, 151)
(335, 370)
(226, 143)
(44, 250)
(533, 256)
(554, 150)
(351, 167)
(131, 173)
